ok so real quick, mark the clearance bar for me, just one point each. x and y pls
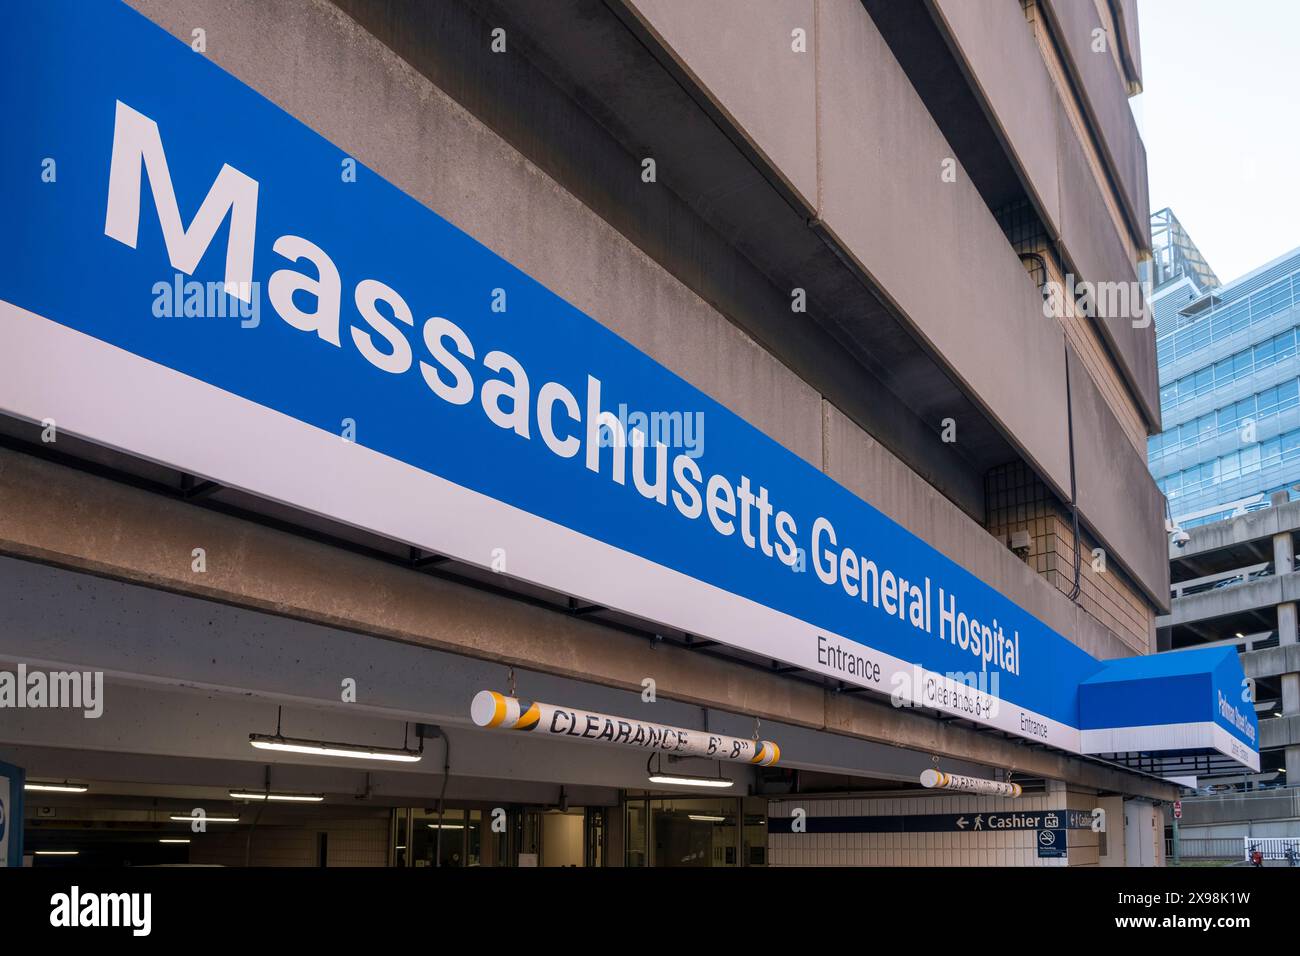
(493, 710)
(939, 780)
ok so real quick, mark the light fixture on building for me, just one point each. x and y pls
(705, 818)
(188, 818)
(56, 787)
(57, 852)
(684, 780)
(328, 748)
(277, 797)
(445, 826)
(671, 779)
(172, 840)
(325, 748)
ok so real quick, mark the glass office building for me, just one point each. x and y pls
(1176, 272)
(1229, 393)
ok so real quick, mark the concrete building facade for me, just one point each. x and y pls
(890, 248)
(1233, 586)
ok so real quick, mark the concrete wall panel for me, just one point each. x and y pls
(933, 245)
(1105, 96)
(1000, 56)
(1089, 240)
(1117, 494)
(1004, 64)
(1128, 17)
(741, 52)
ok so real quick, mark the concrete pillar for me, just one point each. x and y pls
(1283, 553)
(1112, 841)
(1290, 708)
(1286, 623)
(1284, 563)
(1290, 694)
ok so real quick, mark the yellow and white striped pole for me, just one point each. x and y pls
(939, 780)
(493, 710)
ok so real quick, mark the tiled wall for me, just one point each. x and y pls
(1018, 500)
(1008, 848)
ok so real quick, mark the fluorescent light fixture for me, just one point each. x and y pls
(57, 852)
(277, 797)
(186, 818)
(1239, 634)
(173, 841)
(56, 787)
(322, 748)
(446, 826)
(705, 818)
(683, 780)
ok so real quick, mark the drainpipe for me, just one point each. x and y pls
(1074, 489)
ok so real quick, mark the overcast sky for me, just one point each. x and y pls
(1220, 116)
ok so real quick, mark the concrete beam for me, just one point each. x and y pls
(1255, 526)
(1260, 594)
(55, 515)
(1010, 75)
(215, 727)
(142, 637)
(1279, 732)
(1272, 661)
(1104, 94)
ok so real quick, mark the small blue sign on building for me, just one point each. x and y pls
(11, 814)
(1051, 844)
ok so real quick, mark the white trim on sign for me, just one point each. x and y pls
(1193, 735)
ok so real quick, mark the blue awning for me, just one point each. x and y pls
(1171, 705)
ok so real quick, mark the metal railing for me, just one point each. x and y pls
(1273, 848)
(1223, 579)
(1207, 848)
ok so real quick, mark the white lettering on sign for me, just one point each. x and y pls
(1235, 717)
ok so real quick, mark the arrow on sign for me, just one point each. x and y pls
(961, 823)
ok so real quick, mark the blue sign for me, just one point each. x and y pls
(1171, 703)
(1051, 844)
(199, 279)
(11, 814)
(1041, 821)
